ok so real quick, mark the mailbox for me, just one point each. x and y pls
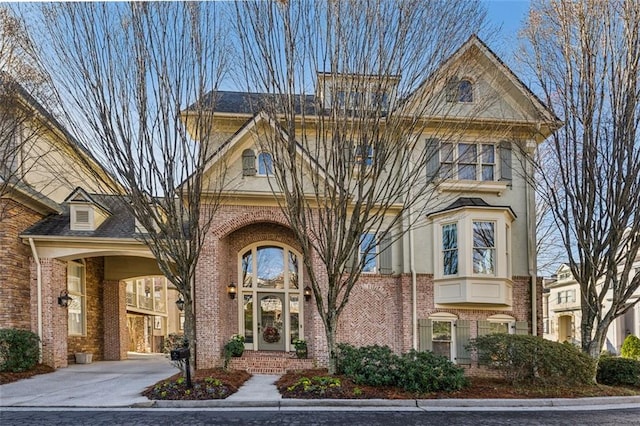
(180, 353)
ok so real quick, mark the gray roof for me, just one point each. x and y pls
(252, 103)
(120, 224)
(470, 202)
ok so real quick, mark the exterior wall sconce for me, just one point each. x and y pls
(64, 298)
(232, 290)
(180, 303)
(307, 293)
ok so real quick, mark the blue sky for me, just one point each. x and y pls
(509, 16)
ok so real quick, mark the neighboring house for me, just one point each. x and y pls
(466, 269)
(562, 305)
(562, 322)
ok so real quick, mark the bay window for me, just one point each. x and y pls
(471, 260)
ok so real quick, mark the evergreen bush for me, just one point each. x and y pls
(614, 371)
(418, 372)
(631, 347)
(19, 350)
(533, 360)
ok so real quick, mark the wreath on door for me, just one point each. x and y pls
(271, 335)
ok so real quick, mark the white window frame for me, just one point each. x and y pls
(489, 249)
(79, 299)
(261, 166)
(456, 249)
(373, 252)
(451, 160)
(465, 219)
(504, 319)
(450, 318)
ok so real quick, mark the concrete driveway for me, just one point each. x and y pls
(100, 384)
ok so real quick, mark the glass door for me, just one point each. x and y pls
(271, 322)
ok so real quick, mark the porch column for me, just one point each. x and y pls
(116, 333)
(55, 318)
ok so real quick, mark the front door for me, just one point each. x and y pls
(270, 309)
(271, 322)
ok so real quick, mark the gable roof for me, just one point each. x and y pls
(241, 133)
(474, 42)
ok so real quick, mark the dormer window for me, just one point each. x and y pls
(85, 213)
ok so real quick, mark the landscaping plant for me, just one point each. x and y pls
(614, 371)
(631, 347)
(532, 360)
(19, 350)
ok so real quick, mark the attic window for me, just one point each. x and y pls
(459, 90)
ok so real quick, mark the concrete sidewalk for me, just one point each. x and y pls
(110, 384)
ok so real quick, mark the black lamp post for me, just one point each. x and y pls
(180, 303)
(307, 293)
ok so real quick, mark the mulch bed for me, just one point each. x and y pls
(479, 388)
(214, 383)
(8, 377)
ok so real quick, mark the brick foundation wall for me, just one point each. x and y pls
(93, 340)
(15, 291)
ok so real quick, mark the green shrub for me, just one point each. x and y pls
(368, 365)
(19, 350)
(614, 371)
(631, 347)
(418, 372)
(534, 360)
(423, 372)
(233, 348)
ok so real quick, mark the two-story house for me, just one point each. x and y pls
(464, 268)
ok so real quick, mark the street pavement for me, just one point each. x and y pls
(111, 384)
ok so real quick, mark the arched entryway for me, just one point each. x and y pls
(270, 308)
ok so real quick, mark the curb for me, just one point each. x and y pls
(400, 403)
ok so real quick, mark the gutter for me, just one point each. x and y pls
(39, 294)
(531, 231)
(414, 289)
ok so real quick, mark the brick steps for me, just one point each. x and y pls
(266, 362)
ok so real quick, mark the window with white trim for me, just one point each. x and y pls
(468, 161)
(484, 247)
(450, 249)
(368, 253)
(265, 164)
(77, 306)
(566, 296)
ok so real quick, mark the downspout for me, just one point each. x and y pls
(39, 296)
(531, 249)
(414, 290)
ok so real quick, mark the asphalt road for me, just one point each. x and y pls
(312, 418)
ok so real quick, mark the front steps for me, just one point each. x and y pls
(267, 362)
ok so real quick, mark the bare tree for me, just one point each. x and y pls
(19, 76)
(586, 58)
(125, 74)
(350, 163)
